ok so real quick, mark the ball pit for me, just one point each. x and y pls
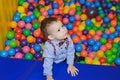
(94, 26)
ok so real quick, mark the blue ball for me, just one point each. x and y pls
(50, 12)
(37, 47)
(109, 5)
(69, 26)
(82, 1)
(91, 41)
(7, 42)
(104, 35)
(117, 61)
(17, 14)
(88, 22)
(98, 43)
(4, 53)
(78, 48)
(55, 5)
(32, 16)
(71, 19)
(111, 36)
(88, 4)
(73, 35)
(97, 4)
(106, 19)
(16, 18)
(11, 51)
(95, 48)
(118, 28)
(27, 19)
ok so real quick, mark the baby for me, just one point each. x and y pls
(59, 47)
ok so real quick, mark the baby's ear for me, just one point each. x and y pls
(50, 37)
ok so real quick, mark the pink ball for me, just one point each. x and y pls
(96, 37)
(91, 55)
(28, 26)
(30, 1)
(21, 24)
(77, 17)
(98, 32)
(107, 31)
(72, 11)
(19, 55)
(65, 20)
(26, 49)
(56, 11)
(29, 13)
(45, 13)
(103, 48)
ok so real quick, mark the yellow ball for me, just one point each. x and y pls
(30, 39)
(41, 18)
(81, 26)
(88, 60)
(25, 5)
(83, 17)
(72, 6)
(113, 8)
(22, 14)
(93, 20)
(13, 24)
(100, 53)
(21, 9)
(66, 9)
(116, 40)
(112, 29)
(96, 62)
(92, 32)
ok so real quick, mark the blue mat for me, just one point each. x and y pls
(16, 69)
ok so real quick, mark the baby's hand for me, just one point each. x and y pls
(49, 78)
(73, 70)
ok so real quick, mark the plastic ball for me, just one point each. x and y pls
(11, 51)
(91, 55)
(88, 60)
(35, 25)
(28, 56)
(4, 53)
(75, 39)
(19, 55)
(26, 49)
(21, 9)
(13, 24)
(37, 33)
(21, 24)
(28, 26)
(30, 39)
(38, 40)
(108, 53)
(65, 20)
(27, 19)
(26, 32)
(117, 61)
(38, 55)
(78, 48)
(10, 34)
(69, 26)
(18, 36)
(13, 44)
(37, 47)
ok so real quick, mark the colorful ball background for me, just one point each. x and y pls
(94, 26)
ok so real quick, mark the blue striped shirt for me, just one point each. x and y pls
(63, 52)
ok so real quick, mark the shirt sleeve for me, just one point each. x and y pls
(48, 55)
(70, 52)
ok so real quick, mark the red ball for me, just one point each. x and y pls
(98, 18)
(18, 30)
(17, 36)
(102, 60)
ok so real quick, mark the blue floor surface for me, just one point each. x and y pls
(16, 69)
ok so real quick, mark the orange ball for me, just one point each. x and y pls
(113, 23)
(100, 53)
(13, 24)
(111, 16)
(88, 60)
(70, 32)
(7, 47)
(23, 37)
(75, 39)
(32, 51)
(83, 46)
(108, 45)
(79, 33)
(36, 33)
(75, 29)
(18, 43)
(83, 37)
(83, 53)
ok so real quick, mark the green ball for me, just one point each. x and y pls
(108, 53)
(35, 11)
(114, 56)
(103, 40)
(26, 32)
(88, 28)
(28, 56)
(114, 50)
(109, 60)
(65, 0)
(78, 12)
(23, 18)
(78, 8)
(82, 62)
(77, 54)
(13, 44)
(10, 34)
(51, 0)
(40, 6)
(118, 17)
(37, 15)
(20, 2)
(115, 45)
(35, 25)
(108, 1)
(102, 14)
(102, 29)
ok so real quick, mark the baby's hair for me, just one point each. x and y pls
(44, 24)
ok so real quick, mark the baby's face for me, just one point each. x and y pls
(57, 30)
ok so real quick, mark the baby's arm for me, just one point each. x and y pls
(48, 63)
(48, 55)
(70, 59)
